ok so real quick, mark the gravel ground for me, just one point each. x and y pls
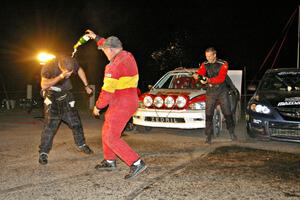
(180, 165)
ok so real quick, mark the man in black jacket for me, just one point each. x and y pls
(59, 103)
(213, 72)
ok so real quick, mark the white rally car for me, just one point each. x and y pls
(178, 101)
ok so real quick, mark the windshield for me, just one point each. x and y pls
(281, 81)
(179, 80)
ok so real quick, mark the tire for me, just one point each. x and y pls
(217, 123)
(143, 129)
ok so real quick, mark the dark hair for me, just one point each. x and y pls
(67, 62)
(211, 49)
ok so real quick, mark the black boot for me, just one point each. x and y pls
(231, 126)
(208, 139)
(43, 158)
(85, 149)
(233, 137)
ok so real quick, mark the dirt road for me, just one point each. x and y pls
(180, 166)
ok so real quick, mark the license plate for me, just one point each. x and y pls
(165, 119)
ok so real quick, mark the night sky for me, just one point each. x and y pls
(161, 34)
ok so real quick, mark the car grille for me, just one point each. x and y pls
(284, 129)
(291, 114)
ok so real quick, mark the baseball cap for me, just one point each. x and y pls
(111, 42)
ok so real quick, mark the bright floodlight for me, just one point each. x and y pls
(45, 57)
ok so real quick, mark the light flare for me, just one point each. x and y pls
(43, 57)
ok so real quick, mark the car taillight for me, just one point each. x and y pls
(158, 102)
(148, 101)
(169, 101)
(181, 101)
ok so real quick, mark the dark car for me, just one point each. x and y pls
(273, 112)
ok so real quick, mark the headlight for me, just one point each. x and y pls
(158, 102)
(180, 101)
(169, 102)
(197, 106)
(260, 108)
(148, 101)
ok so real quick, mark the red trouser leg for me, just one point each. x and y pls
(112, 143)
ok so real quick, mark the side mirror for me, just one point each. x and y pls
(150, 87)
(252, 87)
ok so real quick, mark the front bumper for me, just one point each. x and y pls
(276, 129)
(184, 119)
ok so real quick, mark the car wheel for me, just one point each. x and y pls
(143, 129)
(217, 123)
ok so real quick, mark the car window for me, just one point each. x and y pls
(272, 83)
(183, 82)
(288, 81)
(178, 81)
(166, 83)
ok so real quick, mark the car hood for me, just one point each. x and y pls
(190, 93)
(279, 98)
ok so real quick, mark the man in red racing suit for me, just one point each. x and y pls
(119, 93)
(213, 72)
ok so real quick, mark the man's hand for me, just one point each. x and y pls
(204, 80)
(195, 76)
(88, 90)
(66, 74)
(96, 111)
(90, 33)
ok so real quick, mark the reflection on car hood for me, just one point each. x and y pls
(190, 93)
(279, 99)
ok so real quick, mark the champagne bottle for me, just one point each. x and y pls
(83, 40)
(201, 78)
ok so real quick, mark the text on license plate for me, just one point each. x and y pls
(165, 119)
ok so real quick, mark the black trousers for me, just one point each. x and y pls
(60, 108)
(214, 98)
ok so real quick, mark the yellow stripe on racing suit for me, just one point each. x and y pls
(112, 84)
